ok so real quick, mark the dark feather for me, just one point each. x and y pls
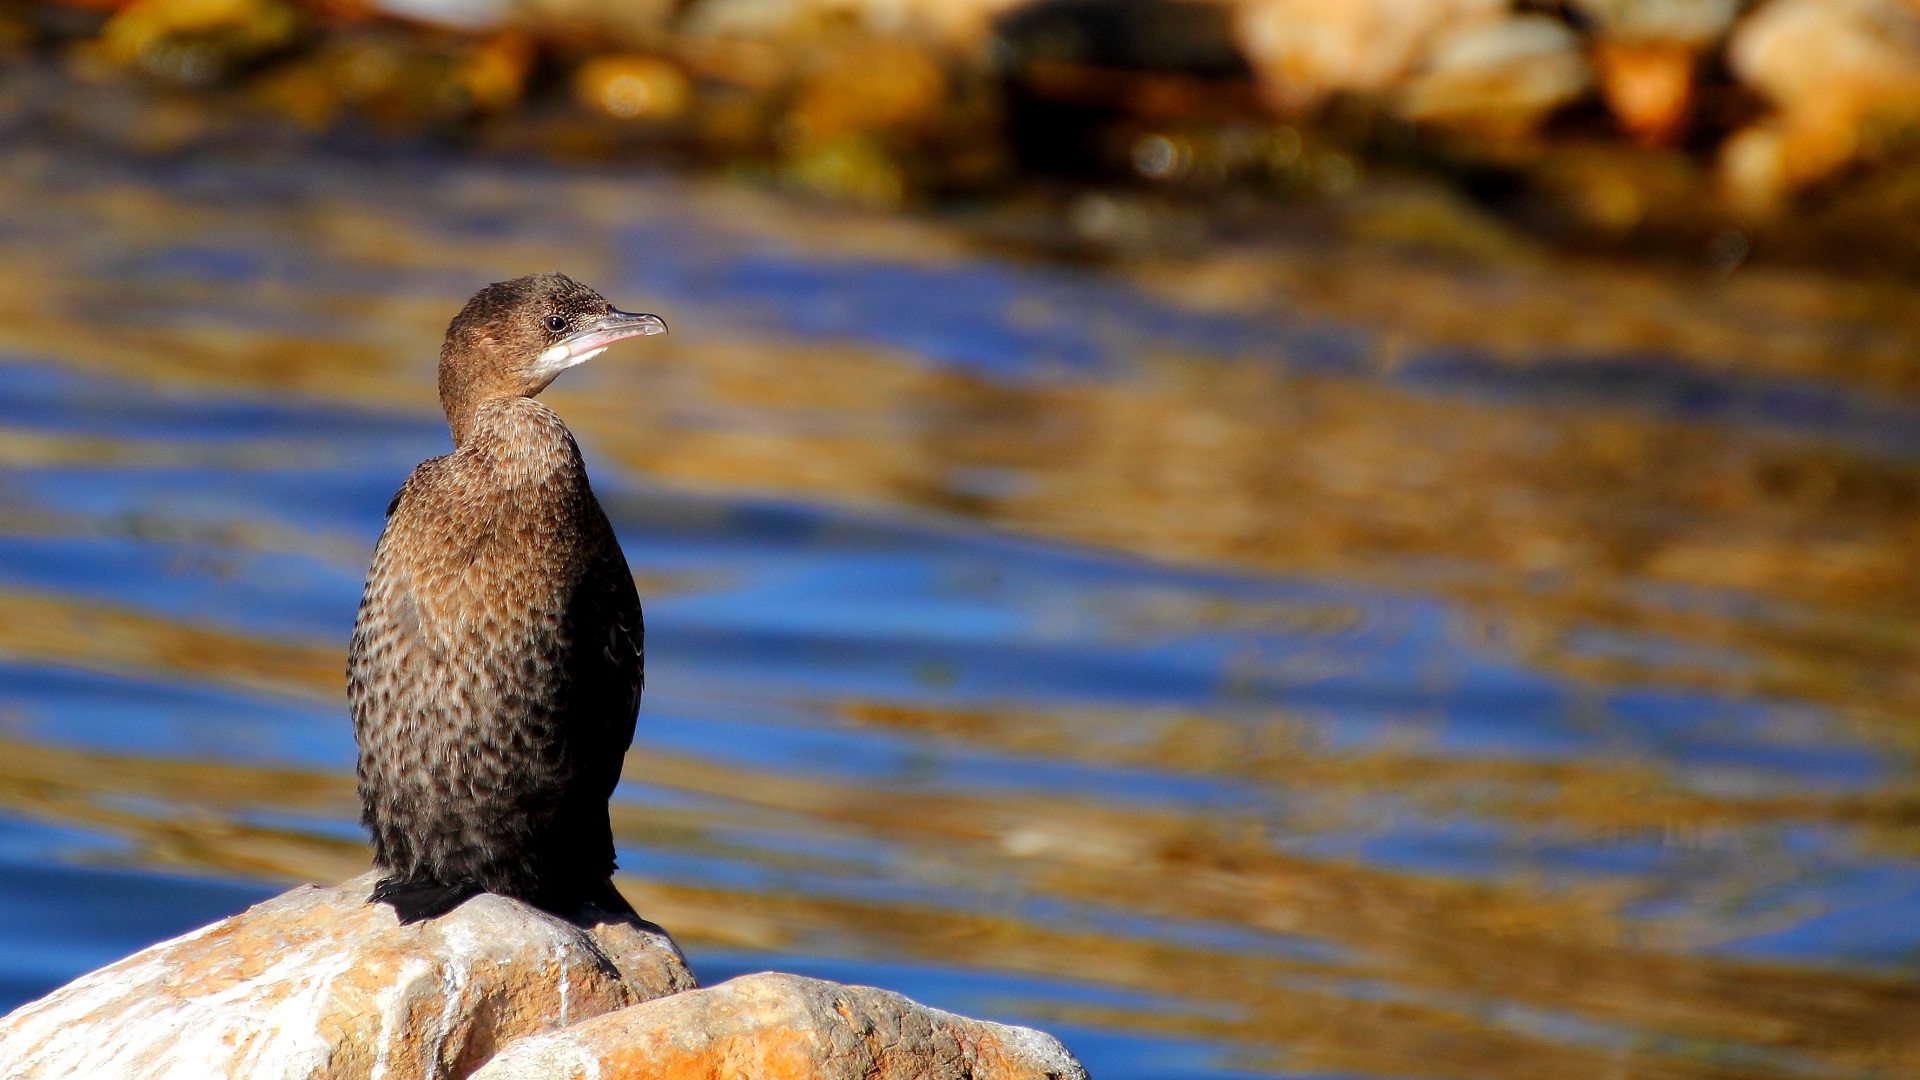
(415, 901)
(495, 669)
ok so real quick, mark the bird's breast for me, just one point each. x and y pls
(499, 560)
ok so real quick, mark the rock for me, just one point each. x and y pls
(1304, 50)
(1498, 78)
(318, 983)
(638, 24)
(1688, 22)
(865, 85)
(196, 42)
(784, 1027)
(1645, 56)
(958, 23)
(468, 15)
(644, 88)
(403, 81)
(1648, 86)
(1837, 69)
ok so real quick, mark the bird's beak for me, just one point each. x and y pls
(593, 338)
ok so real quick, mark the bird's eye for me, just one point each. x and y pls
(556, 324)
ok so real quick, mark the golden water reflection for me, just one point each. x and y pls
(1548, 520)
(1447, 948)
(1765, 564)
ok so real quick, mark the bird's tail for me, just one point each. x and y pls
(608, 899)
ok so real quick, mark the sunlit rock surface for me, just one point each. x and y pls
(1499, 77)
(784, 1027)
(316, 982)
(1303, 50)
(1838, 70)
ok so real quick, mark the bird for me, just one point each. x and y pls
(496, 664)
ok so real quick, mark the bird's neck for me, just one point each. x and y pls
(475, 414)
(472, 382)
(521, 439)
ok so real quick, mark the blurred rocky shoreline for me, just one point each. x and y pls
(1713, 132)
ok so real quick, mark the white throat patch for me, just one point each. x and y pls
(559, 358)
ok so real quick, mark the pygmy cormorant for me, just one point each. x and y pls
(495, 668)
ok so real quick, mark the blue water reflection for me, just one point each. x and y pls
(1203, 819)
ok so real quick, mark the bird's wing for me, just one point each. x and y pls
(604, 668)
(613, 669)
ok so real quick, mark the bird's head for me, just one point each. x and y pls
(514, 337)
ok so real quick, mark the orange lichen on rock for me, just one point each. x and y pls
(784, 1027)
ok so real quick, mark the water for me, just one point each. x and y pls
(1232, 683)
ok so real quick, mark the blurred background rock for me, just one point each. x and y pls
(1684, 129)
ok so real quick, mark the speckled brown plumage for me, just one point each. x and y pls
(495, 668)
